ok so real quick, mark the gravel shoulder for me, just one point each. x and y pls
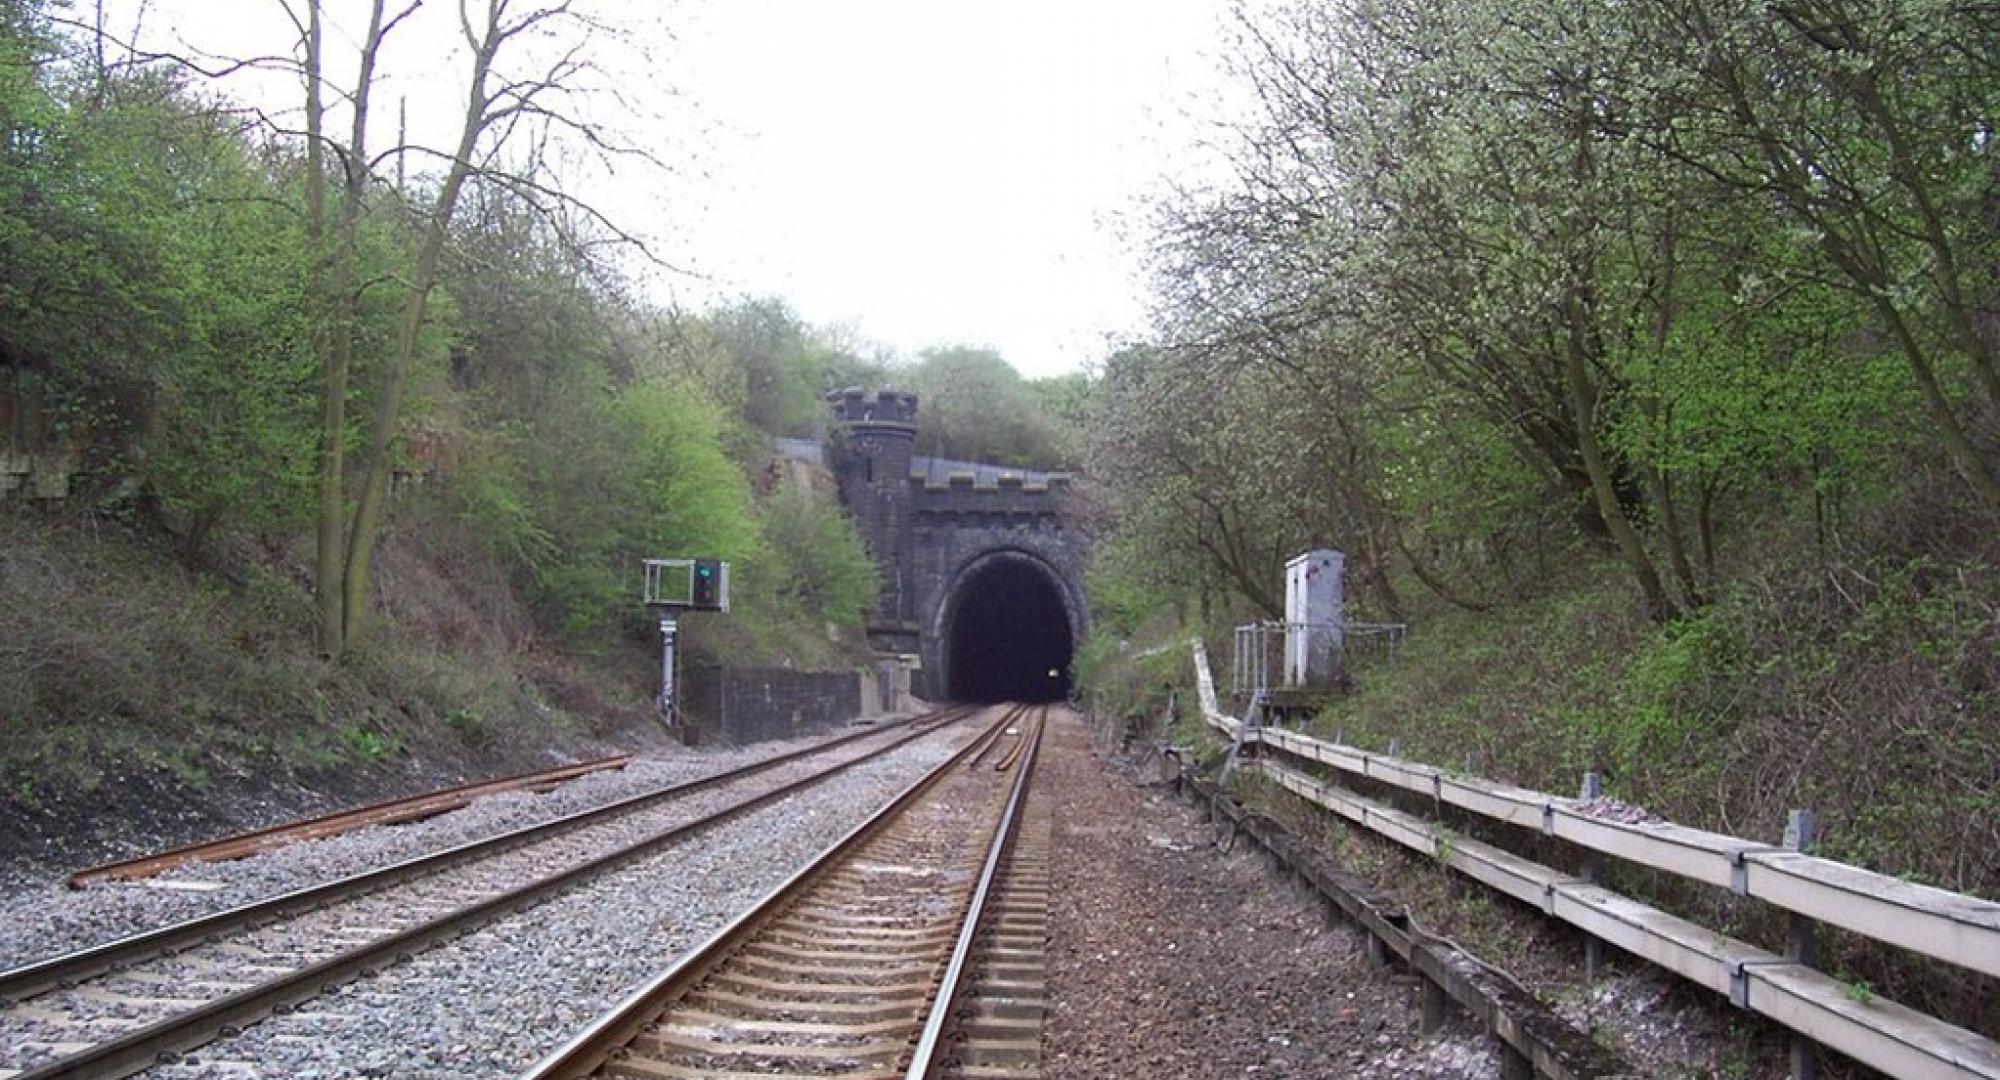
(1169, 957)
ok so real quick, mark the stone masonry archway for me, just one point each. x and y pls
(1006, 630)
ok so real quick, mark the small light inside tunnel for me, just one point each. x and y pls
(1055, 673)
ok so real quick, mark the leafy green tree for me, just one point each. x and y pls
(976, 407)
(1497, 271)
(819, 564)
(499, 99)
(684, 493)
(783, 367)
(1870, 124)
(620, 477)
(157, 284)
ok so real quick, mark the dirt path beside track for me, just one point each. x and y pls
(1169, 957)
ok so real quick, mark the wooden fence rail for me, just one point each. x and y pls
(1952, 927)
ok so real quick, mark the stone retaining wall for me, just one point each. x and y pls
(733, 706)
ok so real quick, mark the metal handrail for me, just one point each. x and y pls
(1256, 670)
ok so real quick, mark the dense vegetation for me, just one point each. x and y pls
(165, 304)
(1643, 358)
(366, 450)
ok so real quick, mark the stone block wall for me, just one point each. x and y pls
(733, 706)
(33, 464)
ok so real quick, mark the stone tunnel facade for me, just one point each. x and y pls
(943, 533)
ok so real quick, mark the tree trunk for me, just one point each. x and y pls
(1677, 553)
(1705, 524)
(1375, 567)
(1435, 583)
(1630, 546)
(367, 518)
(333, 292)
(1656, 476)
(1971, 464)
(1796, 190)
(388, 409)
(1578, 311)
(328, 557)
(1958, 309)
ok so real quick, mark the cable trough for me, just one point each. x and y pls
(115, 1009)
(884, 958)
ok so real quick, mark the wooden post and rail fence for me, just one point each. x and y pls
(1948, 927)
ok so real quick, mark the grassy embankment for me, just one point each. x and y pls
(1859, 679)
(134, 686)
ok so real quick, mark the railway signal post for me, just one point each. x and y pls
(674, 586)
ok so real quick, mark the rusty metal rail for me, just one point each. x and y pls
(186, 1024)
(851, 966)
(388, 812)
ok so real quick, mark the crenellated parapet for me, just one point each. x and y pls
(969, 491)
(856, 406)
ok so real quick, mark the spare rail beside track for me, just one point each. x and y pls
(388, 812)
(187, 1024)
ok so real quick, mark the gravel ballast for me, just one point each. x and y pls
(40, 917)
(492, 1002)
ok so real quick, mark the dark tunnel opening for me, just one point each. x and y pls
(1009, 640)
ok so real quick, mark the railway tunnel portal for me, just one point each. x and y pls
(981, 565)
(1005, 632)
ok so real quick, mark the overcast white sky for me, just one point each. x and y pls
(925, 171)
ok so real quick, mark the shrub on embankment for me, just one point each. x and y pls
(1864, 685)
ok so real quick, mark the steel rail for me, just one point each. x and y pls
(387, 812)
(931, 1042)
(615, 1029)
(1015, 751)
(143, 1047)
(1013, 713)
(30, 980)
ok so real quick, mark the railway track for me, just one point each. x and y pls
(995, 1033)
(117, 1008)
(910, 948)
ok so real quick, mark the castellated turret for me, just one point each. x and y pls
(874, 440)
